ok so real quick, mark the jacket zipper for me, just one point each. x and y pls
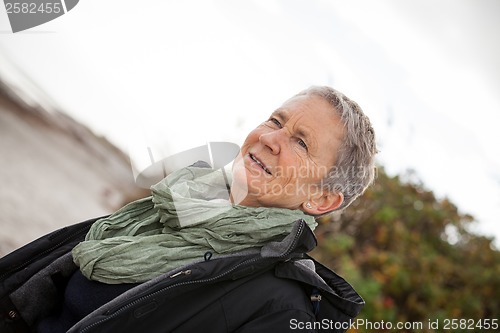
(125, 307)
(188, 272)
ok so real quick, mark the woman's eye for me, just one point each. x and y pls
(303, 144)
(276, 122)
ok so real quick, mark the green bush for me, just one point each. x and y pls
(411, 256)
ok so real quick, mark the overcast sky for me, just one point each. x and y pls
(172, 75)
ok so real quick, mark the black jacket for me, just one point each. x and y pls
(276, 289)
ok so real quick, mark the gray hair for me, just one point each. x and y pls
(354, 168)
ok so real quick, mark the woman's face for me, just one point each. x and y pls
(284, 159)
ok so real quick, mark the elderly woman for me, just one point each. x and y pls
(195, 256)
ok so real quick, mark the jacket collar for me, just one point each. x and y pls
(337, 291)
(300, 240)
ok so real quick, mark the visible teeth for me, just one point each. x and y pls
(256, 160)
(259, 163)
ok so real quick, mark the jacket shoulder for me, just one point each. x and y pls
(24, 262)
(333, 298)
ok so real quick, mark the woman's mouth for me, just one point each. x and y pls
(256, 160)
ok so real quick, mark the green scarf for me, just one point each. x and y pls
(182, 220)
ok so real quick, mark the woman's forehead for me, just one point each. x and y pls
(315, 117)
(310, 109)
(305, 103)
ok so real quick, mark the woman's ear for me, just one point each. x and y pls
(323, 203)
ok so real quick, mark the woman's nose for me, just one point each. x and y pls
(273, 140)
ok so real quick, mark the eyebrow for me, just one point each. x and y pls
(280, 113)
